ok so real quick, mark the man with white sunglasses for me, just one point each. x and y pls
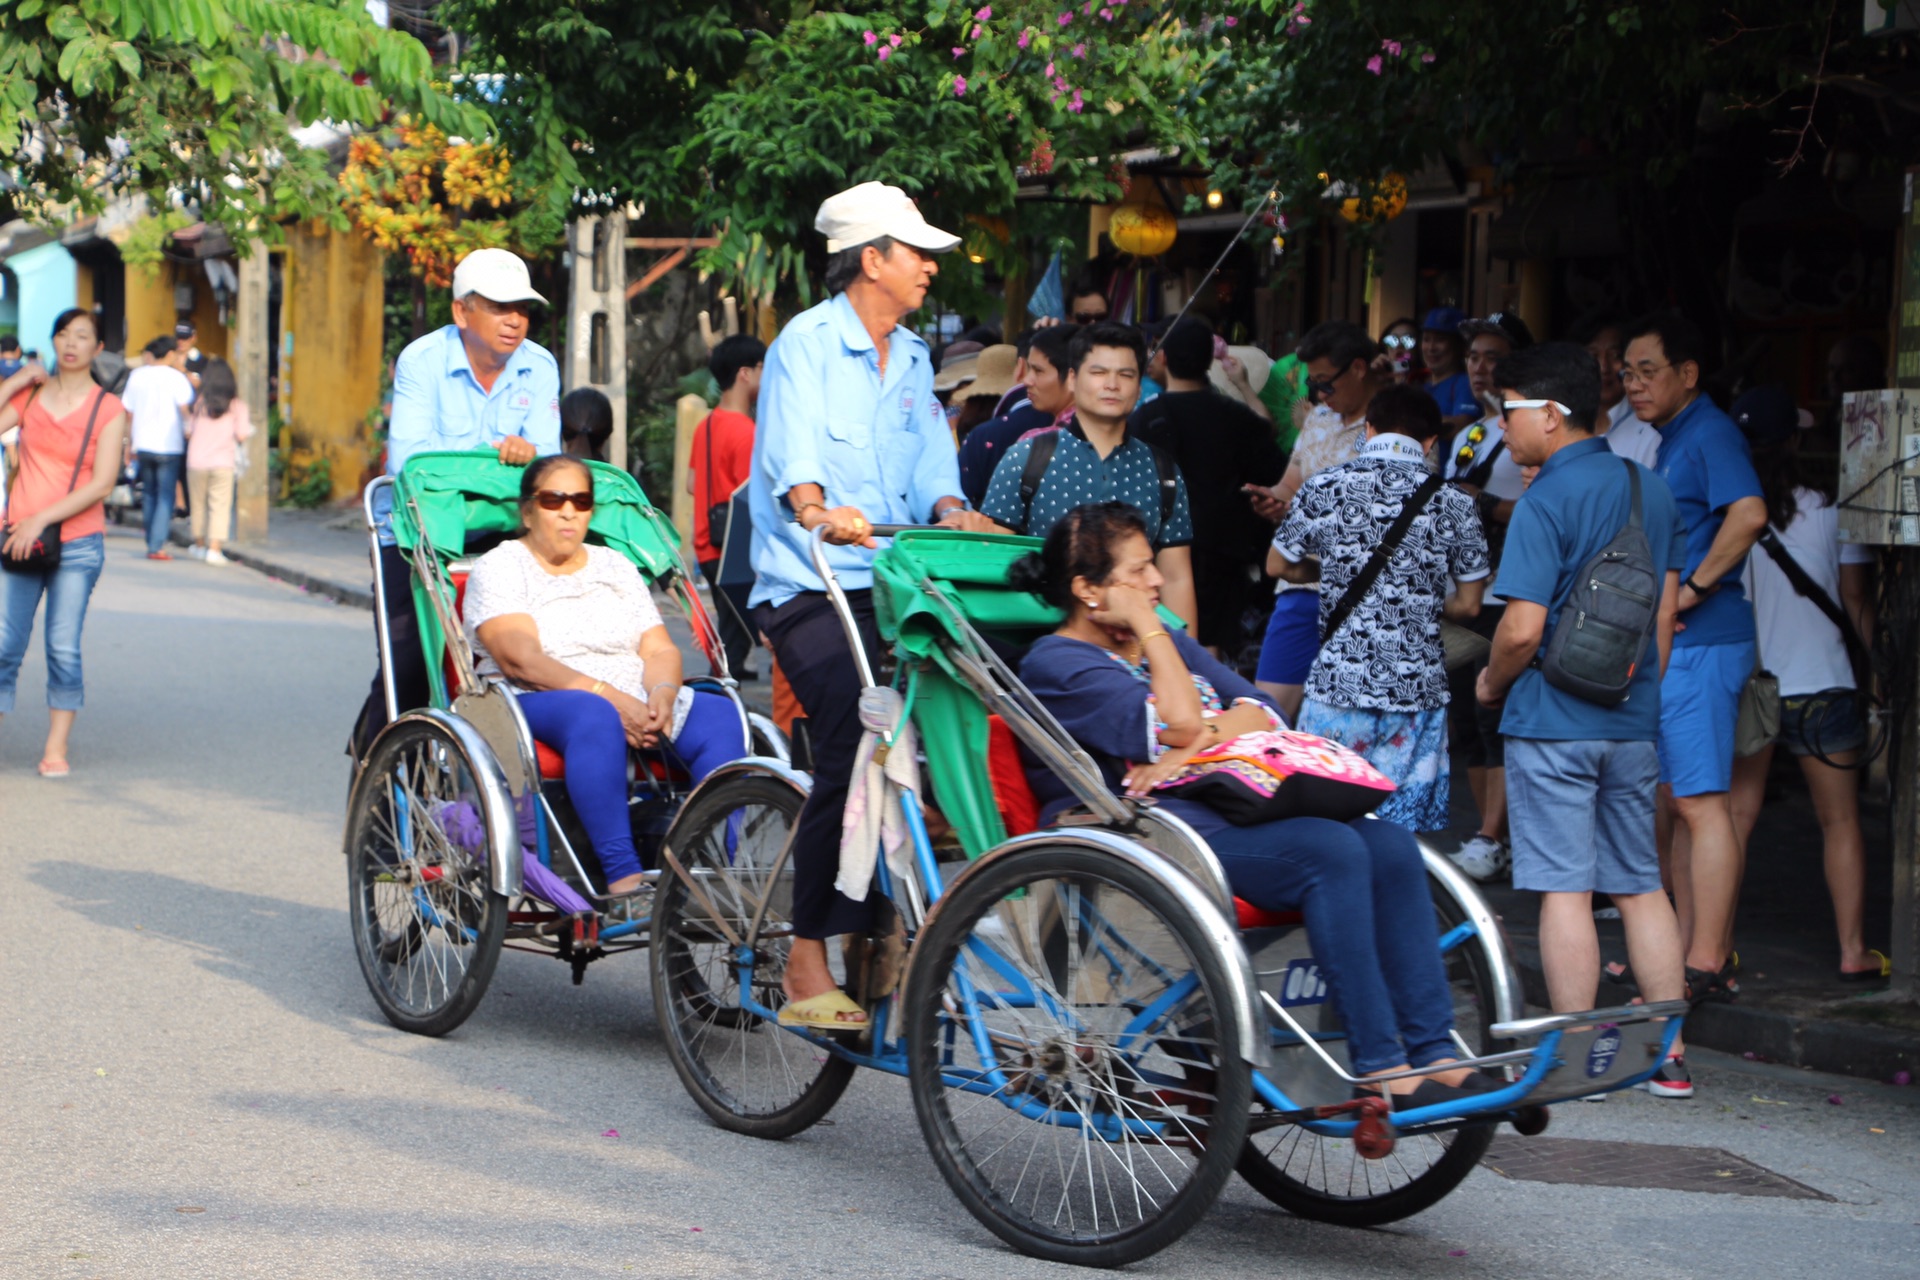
(1581, 776)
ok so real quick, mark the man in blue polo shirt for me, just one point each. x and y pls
(850, 436)
(478, 383)
(1096, 459)
(1581, 777)
(1704, 459)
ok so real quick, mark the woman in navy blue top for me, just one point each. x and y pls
(1142, 700)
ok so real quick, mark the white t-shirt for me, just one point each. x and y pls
(1507, 481)
(1631, 438)
(1797, 642)
(591, 619)
(156, 398)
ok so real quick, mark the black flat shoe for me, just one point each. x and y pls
(1429, 1093)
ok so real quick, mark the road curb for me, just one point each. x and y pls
(358, 597)
(1839, 1046)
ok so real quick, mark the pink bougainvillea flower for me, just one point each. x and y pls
(983, 13)
(1026, 38)
(1074, 103)
(1374, 64)
(958, 52)
(959, 86)
(870, 39)
(1232, 21)
(1106, 15)
(1429, 57)
(1049, 68)
(1080, 51)
(885, 52)
(1391, 46)
(1065, 18)
(894, 41)
(977, 29)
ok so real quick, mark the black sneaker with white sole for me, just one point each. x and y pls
(1672, 1080)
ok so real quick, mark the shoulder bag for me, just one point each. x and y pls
(1859, 655)
(1271, 774)
(44, 555)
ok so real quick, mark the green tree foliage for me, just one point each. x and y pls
(196, 99)
(741, 117)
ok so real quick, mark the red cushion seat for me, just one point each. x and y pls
(1248, 916)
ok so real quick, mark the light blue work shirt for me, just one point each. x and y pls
(439, 404)
(827, 417)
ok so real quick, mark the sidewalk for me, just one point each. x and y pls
(1791, 1010)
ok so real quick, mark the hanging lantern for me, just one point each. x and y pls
(983, 237)
(1143, 230)
(1389, 200)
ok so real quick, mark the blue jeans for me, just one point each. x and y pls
(585, 729)
(67, 589)
(1363, 890)
(159, 475)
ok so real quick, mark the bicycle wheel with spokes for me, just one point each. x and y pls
(427, 925)
(1074, 1054)
(743, 1070)
(1328, 1180)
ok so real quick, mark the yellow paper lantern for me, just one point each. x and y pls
(1143, 230)
(1388, 202)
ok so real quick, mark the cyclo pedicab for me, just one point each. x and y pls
(460, 838)
(1095, 1032)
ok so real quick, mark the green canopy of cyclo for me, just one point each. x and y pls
(919, 581)
(465, 495)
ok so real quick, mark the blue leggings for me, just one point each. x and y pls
(1363, 890)
(585, 729)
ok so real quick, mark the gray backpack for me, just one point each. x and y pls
(1602, 632)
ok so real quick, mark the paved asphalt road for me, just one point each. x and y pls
(197, 1083)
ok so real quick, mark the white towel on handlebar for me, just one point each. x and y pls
(873, 819)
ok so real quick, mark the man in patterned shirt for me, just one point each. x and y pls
(1379, 684)
(1094, 458)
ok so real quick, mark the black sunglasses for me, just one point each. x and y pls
(553, 500)
(1089, 317)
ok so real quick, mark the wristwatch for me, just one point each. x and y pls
(1696, 588)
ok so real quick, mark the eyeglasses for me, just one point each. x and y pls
(1089, 317)
(553, 500)
(1400, 342)
(1320, 388)
(1644, 374)
(1475, 434)
(1507, 406)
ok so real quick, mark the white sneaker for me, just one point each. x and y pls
(196, 552)
(215, 557)
(1483, 858)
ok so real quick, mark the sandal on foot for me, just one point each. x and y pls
(54, 769)
(1885, 970)
(1705, 987)
(822, 1013)
(1620, 975)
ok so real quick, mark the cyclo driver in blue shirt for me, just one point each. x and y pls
(850, 436)
(477, 383)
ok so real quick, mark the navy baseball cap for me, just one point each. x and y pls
(1504, 323)
(1766, 415)
(1444, 319)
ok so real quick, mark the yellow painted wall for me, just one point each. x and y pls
(333, 290)
(149, 305)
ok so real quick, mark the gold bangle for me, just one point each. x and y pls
(1151, 634)
(598, 685)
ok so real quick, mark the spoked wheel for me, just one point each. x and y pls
(1074, 1055)
(426, 924)
(1327, 1179)
(743, 1070)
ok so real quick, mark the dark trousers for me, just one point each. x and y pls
(729, 607)
(1474, 729)
(812, 650)
(409, 662)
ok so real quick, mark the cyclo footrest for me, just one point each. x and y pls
(1598, 1050)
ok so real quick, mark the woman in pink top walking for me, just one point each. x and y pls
(66, 460)
(216, 426)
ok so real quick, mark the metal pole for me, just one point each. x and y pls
(249, 336)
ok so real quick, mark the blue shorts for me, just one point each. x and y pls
(1699, 705)
(1293, 639)
(1822, 724)
(1581, 814)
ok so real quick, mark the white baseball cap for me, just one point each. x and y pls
(496, 275)
(872, 210)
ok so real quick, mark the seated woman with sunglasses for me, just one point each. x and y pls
(1142, 700)
(574, 632)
